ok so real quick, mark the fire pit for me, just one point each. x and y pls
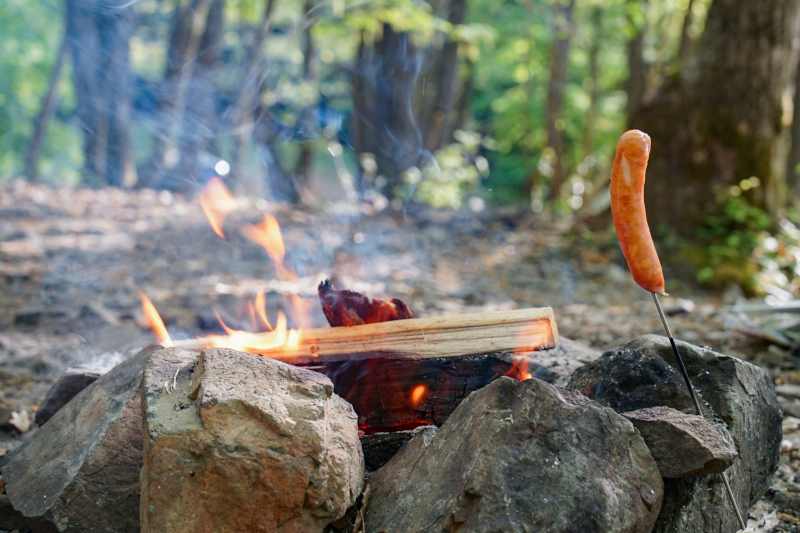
(272, 427)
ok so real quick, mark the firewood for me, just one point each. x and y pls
(420, 338)
(349, 308)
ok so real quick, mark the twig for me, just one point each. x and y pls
(360, 516)
(175, 380)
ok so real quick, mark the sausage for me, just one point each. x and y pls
(627, 208)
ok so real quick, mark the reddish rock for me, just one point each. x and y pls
(244, 443)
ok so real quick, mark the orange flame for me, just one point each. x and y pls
(523, 352)
(217, 203)
(268, 234)
(257, 342)
(261, 310)
(417, 394)
(154, 321)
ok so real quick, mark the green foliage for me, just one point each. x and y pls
(457, 171)
(504, 53)
(31, 35)
(724, 252)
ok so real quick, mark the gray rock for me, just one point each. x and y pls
(381, 447)
(520, 456)
(10, 518)
(788, 391)
(682, 444)
(557, 364)
(644, 373)
(80, 471)
(66, 388)
(244, 443)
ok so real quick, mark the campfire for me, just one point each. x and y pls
(397, 370)
(386, 421)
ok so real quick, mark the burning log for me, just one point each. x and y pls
(395, 394)
(348, 308)
(521, 330)
(405, 373)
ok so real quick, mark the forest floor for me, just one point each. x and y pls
(72, 262)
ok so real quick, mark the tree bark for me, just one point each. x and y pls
(445, 82)
(247, 96)
(718, 121)
(98, 34)
(199, 122)
(308, 134)
(554, 118)
(793, 159)
(184, 42)
(45, 114)
(594, 55)
(384, 81)
(686, 40)
(462, 104)
(636, 84)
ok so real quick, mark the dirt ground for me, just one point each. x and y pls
(72, 262)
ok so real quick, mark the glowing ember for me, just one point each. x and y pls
(417, 394)
(154, 321)
(217, 203)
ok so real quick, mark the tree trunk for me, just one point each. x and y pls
(686, 41)
(308, 133)
(184, 42)
(45, 114)
(247, 96)
(384, 82)
(445, 83)
(793, 159)
(718, 121)
(98, 34)
(594, 55)
(462, 104)
(554, 119)
(199, 123)
(636, 84)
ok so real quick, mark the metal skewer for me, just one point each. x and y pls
(694, 399)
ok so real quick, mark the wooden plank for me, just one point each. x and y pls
(420, 338)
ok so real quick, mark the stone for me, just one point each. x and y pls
(239, 442)
(80, 471)
(682, 444)
(15, 417)
(557, 364)
(381, 447)
(644, 373)
(520, 456)
(788, 391)
(66, 388)
(10, 518)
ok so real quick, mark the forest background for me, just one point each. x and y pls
(453, 103)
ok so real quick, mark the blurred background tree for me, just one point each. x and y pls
(448, 102)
